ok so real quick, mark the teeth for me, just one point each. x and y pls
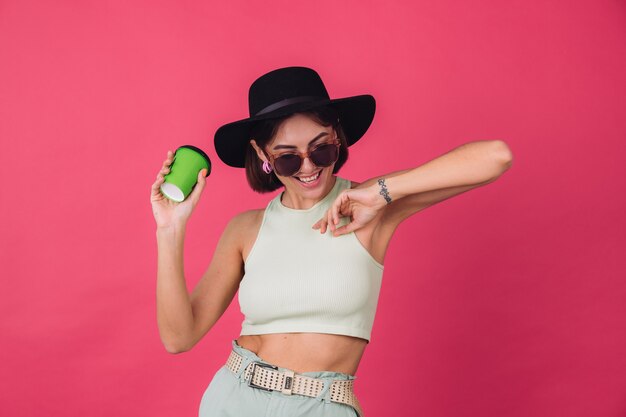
(309, 179)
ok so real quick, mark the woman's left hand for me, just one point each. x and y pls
(361, 204)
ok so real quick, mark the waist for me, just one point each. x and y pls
(307, 352)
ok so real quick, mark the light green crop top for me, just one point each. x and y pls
(299, 280)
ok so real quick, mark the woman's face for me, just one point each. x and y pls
(300, 133)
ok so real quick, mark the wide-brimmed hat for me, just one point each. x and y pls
(285, 91)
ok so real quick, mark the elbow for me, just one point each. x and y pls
(175, 347)
(174, 350)
(502, 153)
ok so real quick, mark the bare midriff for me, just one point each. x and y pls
(307, 352)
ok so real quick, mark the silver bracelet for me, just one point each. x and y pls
(383, 190)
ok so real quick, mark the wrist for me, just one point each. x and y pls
(175, 227)
(383, 191)
(378, 201)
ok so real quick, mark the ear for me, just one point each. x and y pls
(258, 150)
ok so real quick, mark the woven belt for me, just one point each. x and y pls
(268, 377)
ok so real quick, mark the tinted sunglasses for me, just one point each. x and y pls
(289, 163)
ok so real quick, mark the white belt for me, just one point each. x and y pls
(268, 377)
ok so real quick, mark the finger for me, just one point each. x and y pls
(158, 181)
(348, 228)
(345, 207)
(336, 207)
(338, 212)
(321, 225)
(197, 189)
(169, 159)
(329, 220)
(331, 210)
(202, 177)
(156, 188)
(324, 227)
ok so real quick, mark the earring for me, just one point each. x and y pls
(267, 168)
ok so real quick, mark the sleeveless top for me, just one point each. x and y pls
(297, 279)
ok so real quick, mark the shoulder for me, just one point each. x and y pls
(247, 219)
(246, 224)
(244, 228)
(353, 184)
(241, 229)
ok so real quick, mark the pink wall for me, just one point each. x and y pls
(505, 301)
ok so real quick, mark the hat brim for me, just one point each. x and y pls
(355, 116)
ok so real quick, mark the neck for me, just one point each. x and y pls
(301, 201)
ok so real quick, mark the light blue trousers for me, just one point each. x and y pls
(229, 395)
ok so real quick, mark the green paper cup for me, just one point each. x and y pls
(187, 163)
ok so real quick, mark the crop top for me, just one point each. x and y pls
(297, 279)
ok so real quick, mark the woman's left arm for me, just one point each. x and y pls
(403, 193)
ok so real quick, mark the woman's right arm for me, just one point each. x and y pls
(183, 320)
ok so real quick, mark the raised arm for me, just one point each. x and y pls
(408, 191)
(466, 167)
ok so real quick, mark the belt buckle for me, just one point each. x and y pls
(254, 366)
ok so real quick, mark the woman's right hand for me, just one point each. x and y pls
(167, 212)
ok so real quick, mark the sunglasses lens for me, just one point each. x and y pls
(325, 155)
(287, 165)
(322, 156)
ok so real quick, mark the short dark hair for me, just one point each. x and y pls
(264, 131)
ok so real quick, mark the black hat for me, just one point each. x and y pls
(285, 91)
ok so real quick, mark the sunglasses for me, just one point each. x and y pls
(288, 164)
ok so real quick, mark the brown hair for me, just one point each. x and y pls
(264, 131)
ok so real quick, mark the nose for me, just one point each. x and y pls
(308, 167)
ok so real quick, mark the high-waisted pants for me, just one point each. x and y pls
(229, 395)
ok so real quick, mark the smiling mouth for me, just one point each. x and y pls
(309, 178)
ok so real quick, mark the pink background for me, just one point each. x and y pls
(505, 301)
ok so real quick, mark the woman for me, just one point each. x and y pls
(308, 267)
